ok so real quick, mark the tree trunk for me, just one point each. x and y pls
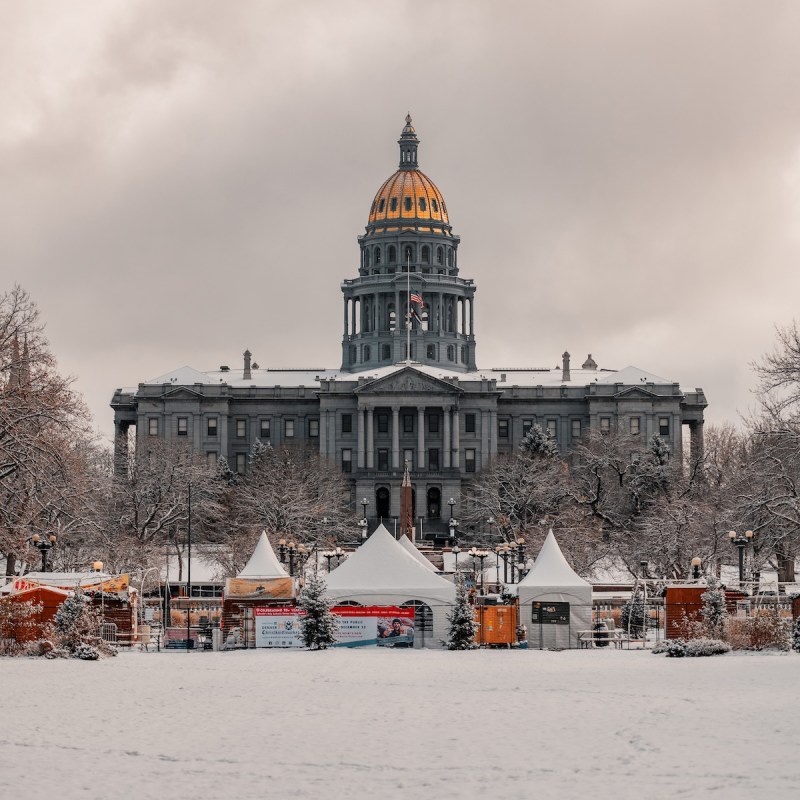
(785, 566)
(11, 563)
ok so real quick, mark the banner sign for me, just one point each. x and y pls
(359, 626)
(249, 588)
(117, 584)
(551, 613)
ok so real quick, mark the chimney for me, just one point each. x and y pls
(565, 367)
(247, 374)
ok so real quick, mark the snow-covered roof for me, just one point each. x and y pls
(311, 377)
(382, 566)
(552, 569)
(263, 563)
(409, 546)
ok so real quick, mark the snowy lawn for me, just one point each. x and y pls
(404, 723)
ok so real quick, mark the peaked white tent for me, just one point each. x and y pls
(554, 601)
(383, 573)
(263, 563)
(409, 546)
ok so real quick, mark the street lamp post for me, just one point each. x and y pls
(696, 562)
(43, 545)
(513, 547)
(328, 555)
(741, 541)
(456, 551)
(282, 550)
(497, 551)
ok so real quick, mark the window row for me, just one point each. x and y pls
(433, 455)
(385, 351)
(441, 255)
(240, 427)
(408, 202)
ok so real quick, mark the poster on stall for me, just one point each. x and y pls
(359, 626)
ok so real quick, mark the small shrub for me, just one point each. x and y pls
(796, 636)
(676, 648)
(706, 647)
(763, 630)
(86, 652)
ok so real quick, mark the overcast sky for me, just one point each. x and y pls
(184, 180)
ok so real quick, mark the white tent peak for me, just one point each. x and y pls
(383, 566)
(410, 547)
(551, 568)
(263, 563)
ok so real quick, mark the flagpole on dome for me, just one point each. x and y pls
(408, 307)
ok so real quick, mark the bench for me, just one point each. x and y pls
(179, 644)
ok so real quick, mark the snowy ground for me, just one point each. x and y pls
(391, 724)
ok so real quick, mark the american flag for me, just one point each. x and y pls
(417, 298)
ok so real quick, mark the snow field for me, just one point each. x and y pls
(411, 724)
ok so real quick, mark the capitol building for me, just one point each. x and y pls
(408, 388)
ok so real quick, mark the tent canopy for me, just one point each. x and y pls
(382, 569)
(410, 547)
(263, 563)
(552, 570)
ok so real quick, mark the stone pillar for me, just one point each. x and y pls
(397, 325)
(493, 433)
(446, 433)
(439, 300)
(455, 461)
(370, 438)
(323, 432)
(346, 332)
(471, 317)
(395, 437)
(696, 440)
(421, 461)
(352, 316)
(361, 461)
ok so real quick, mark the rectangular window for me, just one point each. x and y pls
(383, 459)
(183, 426)
(663, 426)
(347, 423)
(469, 460)
(605, 425)
(433, 459)
(635, 426)
(527, 424)
(212, 459)
(552, 428)
(211, 427)
(264, 429)
(241, 428)
(288, 429)
(408, 455)
(152, 426)
(408, 423)
(469, 423)
(347, 460)
(502, 428)
(313, 428)
(383, 423)
(241, 463)
(433, 423)
(576, 429)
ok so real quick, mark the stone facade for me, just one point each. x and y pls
(434, 407)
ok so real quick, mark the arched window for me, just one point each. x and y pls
(366, 258)
(393, 204)
(434, 503)
(463, 354)
(382, 500)
(392, 317)
(387, 352)
(435, 205)
(381, 205)
(367, 353)
(392, 254)
(426, 254)
(423, 206)
(440, 255)
(431, 353)
(407, 203)
(377, 255)
(449, 256)
(408, 253)
(451, 353)
(424, 319)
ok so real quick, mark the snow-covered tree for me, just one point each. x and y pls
(538, 443)
(319, 625)
(796, 636)
(463, 627)
(76, 623)
(633, 613)
(713, 610)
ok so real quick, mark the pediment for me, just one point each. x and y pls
(636, 393)
(408, 380)
(182, 393)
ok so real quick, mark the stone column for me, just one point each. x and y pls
(493, 433)
(455, 461)
(346, 332)
(421, 461)
(471, 317)
(361, 460)
(397, 325)
(370, 438)
(323, 432)
(484, 438)
(464, 316)
(446, 434)
(395, 437)
(440, 326)
(352, 316)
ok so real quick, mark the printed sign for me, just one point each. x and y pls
(551, 613)
(359, 626)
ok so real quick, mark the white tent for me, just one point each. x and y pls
(554, 601)
(414, 550)
(263, 563)
(383, 573)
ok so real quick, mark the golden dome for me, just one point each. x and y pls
(408, 197)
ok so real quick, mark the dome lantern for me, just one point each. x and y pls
(408, 142)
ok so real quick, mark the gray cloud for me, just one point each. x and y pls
(185, 180)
